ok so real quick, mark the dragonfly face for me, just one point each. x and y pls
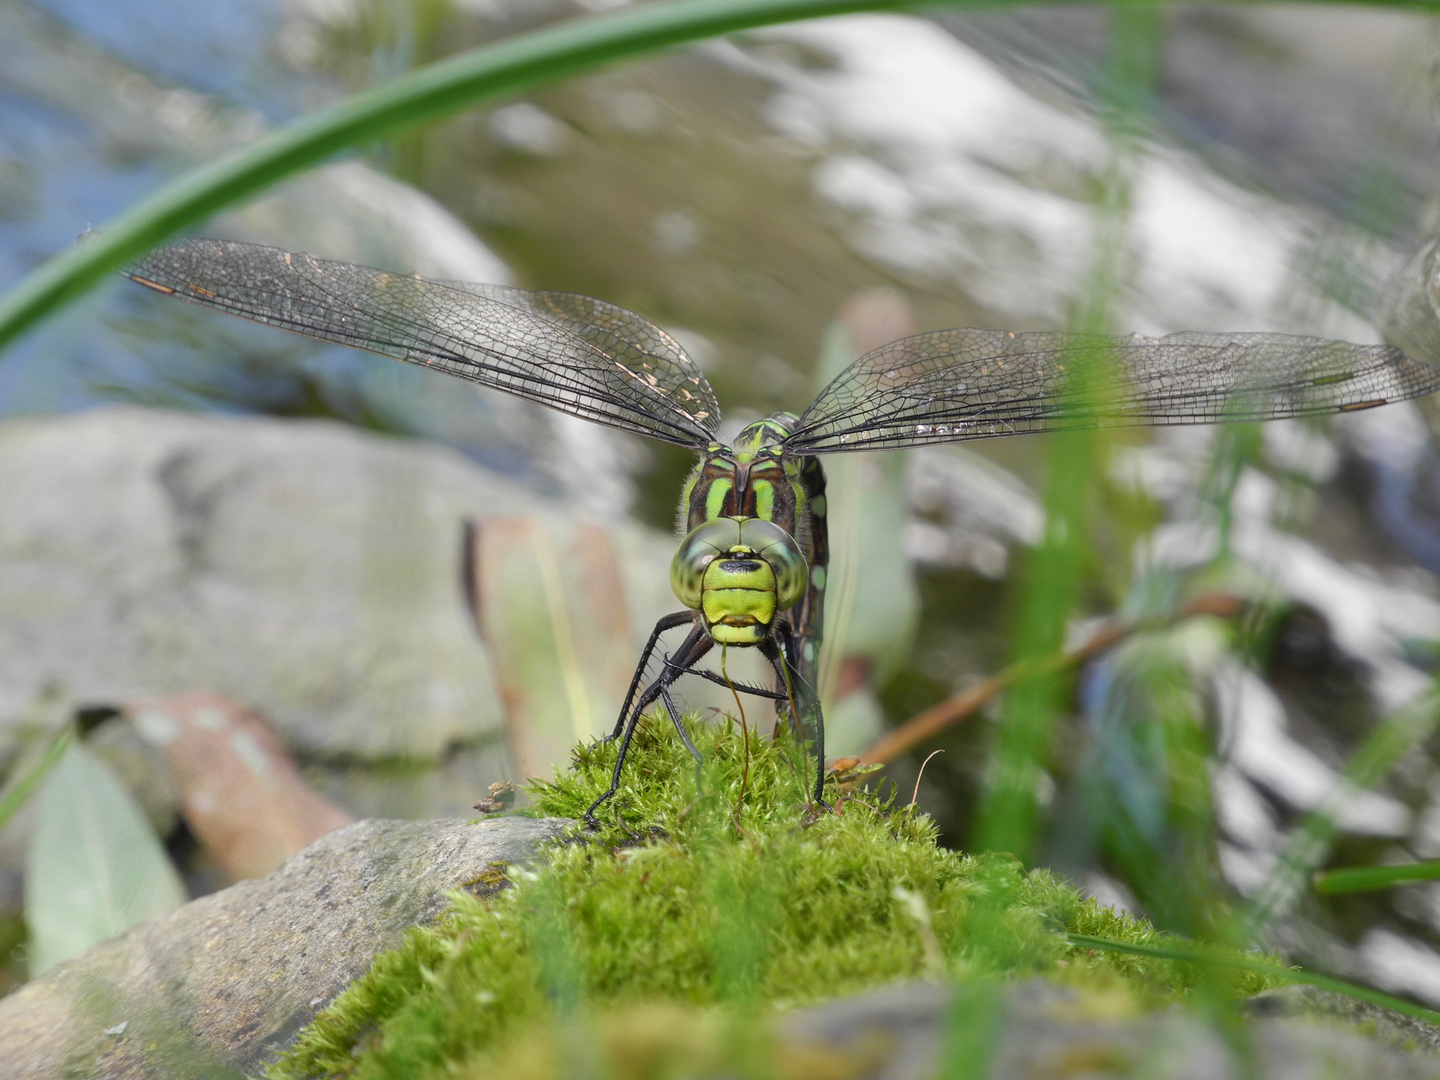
(754, 513)
(739, 573)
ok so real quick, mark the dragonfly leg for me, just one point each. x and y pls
(741, 687)
(629, 730)
(685, 737)
(801, 698)
(679, 727)
(694, 647)
(697, 639)
(787, 679)
(669, 622)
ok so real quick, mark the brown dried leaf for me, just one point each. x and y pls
(240, 790)
(549, 601)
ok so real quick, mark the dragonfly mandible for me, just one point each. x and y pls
(751, 566)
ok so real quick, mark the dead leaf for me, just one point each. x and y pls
(240, 790)
(549, 601)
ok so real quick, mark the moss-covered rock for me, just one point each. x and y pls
(715, 897)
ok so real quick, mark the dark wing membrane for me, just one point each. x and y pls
(973, 384)
(581, 356)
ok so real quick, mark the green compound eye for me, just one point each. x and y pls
(778, 548)
(701, 546)
(734, 536)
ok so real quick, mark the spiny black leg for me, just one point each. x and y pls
(669, 622)
(679, 727)
(685, 736)
(781, 653)
(628, 722)
(787, 678)
(694, 647)
(742, 687)
(650, 695)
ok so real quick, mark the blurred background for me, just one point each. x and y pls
(270, 586)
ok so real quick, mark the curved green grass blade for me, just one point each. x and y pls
(1262, 967)
(427, 94)
(1371, 878)
(1311, 842)
(15, 797)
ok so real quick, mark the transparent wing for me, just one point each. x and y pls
(973, 384)
(582, 356)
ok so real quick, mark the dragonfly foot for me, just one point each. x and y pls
(592, 824)
(591, 821)
(814, 810)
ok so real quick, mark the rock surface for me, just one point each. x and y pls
(1045, 1031)
(217, 986)
(306, 569)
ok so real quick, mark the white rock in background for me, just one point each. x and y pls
(958, 177)
(307, 569)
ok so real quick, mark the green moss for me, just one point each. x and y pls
(723, 890)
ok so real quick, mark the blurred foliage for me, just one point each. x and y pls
(1366, 878)
(26, 776)
(401, 103)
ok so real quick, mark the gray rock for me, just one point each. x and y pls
(216, 987)
(1044, 1030)
(308, 570)
(1313, 1003)
(303, 568)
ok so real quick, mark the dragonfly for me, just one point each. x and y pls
(750, 568)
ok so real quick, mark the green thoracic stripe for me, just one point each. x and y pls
(765, 500)
(715, 498)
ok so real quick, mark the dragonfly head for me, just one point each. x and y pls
(764, 437)
(738, 573)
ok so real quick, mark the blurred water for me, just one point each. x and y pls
(219, 47)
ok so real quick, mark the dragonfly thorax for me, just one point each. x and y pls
(751, 478)
(739, 573)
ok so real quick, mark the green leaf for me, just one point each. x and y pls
(1369, 878)
(94, 866)
(14, 797)
(1261, 967)
(428, 94)
(1310, 844)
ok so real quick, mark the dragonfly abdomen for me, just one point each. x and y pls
(808, 617)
